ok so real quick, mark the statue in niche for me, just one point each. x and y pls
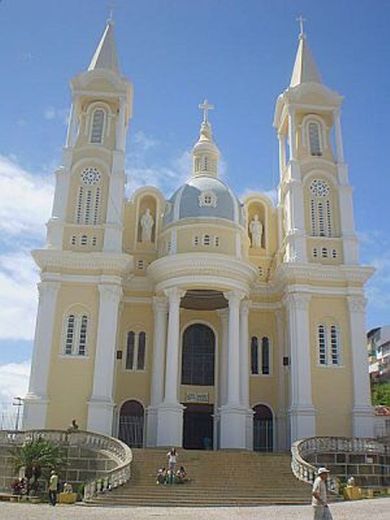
(147, 224)
(256, 231)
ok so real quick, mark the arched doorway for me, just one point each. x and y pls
(131, 424)
(263, 428)
(197, 370)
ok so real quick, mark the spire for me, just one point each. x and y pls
(305, 69)
(105, 56)
(205, 152)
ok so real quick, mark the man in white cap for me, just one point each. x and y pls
(319, 498)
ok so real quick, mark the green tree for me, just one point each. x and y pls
(37, 457)
(381, 393)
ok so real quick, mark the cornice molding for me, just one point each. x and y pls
(53, 260)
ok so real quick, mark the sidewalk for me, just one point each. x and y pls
(363, 510)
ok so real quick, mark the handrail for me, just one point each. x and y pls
(96, 441)
(307, 472)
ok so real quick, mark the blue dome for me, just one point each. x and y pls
(204, 196)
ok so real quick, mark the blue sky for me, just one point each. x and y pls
(237, 53)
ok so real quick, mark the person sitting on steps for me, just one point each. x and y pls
(161, 476)
(181, 475)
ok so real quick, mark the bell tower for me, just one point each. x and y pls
(88, 204)
(314, 191)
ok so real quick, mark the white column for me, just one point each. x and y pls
(362, 411)
(121, 128)
(223, 314)
(101, 405)
(244, 372)
(36, 400)
(73, 125)
(302, 412)
(233, 414)
(281, 419)
(292, 135)
(160, 307)
(282, 153)
(339, 137)
(170, 413)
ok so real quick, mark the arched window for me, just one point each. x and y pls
(314, 135)
(321, 209)
(254, 355)
(198, 356)
(265, 356)
(89, 198)
(260, 356)
(328, 339)
(135, 351)
(76, 335)
(97, 126)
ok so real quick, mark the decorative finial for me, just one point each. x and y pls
(205, 106)
(301, 21)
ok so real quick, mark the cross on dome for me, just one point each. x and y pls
(301, 21)
(205, 106)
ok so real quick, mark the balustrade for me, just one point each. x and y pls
(94, 441)
(307, 472)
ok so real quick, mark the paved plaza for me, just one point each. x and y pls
(378, 509)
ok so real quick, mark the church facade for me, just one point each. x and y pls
(201, 320)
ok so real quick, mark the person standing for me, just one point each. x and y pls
(319, 496)
(53, 487)
(172, 459)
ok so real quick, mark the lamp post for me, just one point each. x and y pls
(19, 404)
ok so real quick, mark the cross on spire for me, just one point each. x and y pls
(111, 6)
(205, 106)
(301, 21)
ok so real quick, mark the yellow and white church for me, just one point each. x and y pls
(202, 321)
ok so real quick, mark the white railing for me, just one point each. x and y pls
(306, 472)
(114, 448)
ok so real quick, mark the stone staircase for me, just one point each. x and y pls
(218, 478)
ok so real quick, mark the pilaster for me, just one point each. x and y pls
(160, 308)
(101, 405)
(36, 400)
(302, 412)
(170, 412)
(362, 411)
(233, 414)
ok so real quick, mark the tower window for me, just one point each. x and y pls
(328, 345)
(97, 126)
(206, 240)
(314, 132)
(75, 341)
(196, 240)
(320, 209)
(89, 198)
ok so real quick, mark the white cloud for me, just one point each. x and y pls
(13, 380)
(143, 170)
(18, 295)
(25, 200)
(61, 114)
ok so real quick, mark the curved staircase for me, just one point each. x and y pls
(218, 478)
